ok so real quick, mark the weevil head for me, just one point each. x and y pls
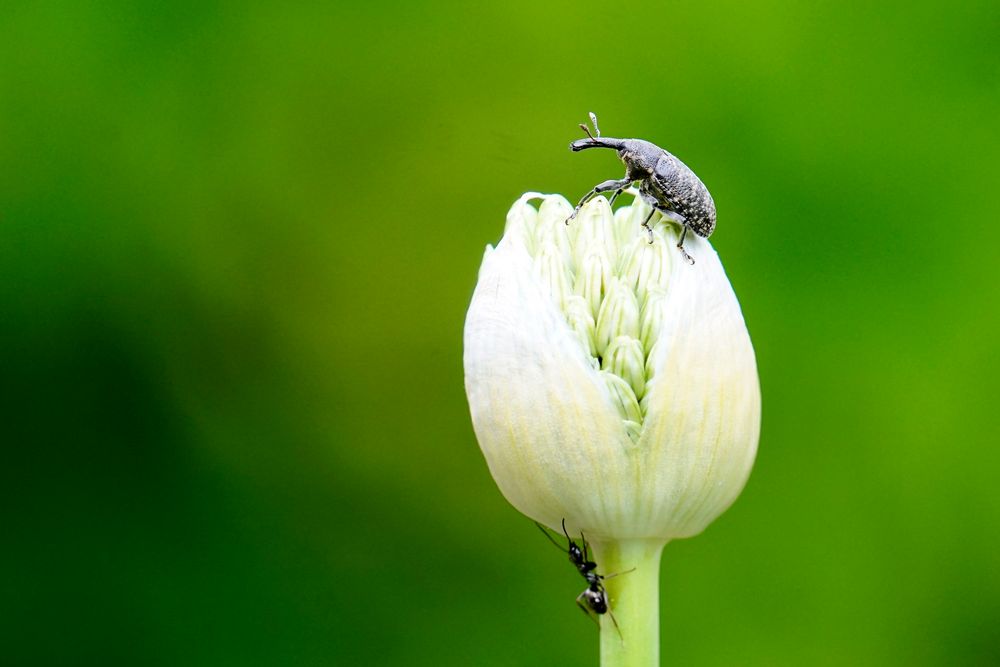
(639, 156)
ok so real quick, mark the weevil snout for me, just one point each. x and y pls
(581, 144)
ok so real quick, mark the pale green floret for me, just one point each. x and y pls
(619, 314)
(581, 321)
(609, 283)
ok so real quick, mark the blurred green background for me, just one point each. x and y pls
(237, 242)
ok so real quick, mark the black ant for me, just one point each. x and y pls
(595, 595)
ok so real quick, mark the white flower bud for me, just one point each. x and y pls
(610, 382)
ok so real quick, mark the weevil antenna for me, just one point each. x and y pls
(593, 119)
(587, 130)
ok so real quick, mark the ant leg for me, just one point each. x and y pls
(680, 246)
(586, 610)
(620, 638)
(619, 184)
(649, 229)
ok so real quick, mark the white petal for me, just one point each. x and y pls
(543, 415)
(702, 402)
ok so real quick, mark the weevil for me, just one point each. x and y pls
(665, 183)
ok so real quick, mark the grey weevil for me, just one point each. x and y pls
(665, 183)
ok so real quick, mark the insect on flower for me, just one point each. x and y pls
(665, 183)
(595, 596)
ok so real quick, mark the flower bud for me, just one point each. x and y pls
(610, 382)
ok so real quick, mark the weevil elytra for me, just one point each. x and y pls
(665, 183)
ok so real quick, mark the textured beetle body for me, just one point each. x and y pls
(665, 183)
(675, 187)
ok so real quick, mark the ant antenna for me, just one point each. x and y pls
(568, 538)
(546, 534)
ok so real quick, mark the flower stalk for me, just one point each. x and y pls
(634, 594)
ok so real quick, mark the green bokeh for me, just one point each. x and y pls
(237, 242)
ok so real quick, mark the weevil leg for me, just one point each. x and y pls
(619, 184)
(680, 245)
(683, 222)
(586, 198)
(649, 229)
(620, 190)
(613, 184)
(673, 215)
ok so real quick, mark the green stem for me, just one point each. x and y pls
(634, 600)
